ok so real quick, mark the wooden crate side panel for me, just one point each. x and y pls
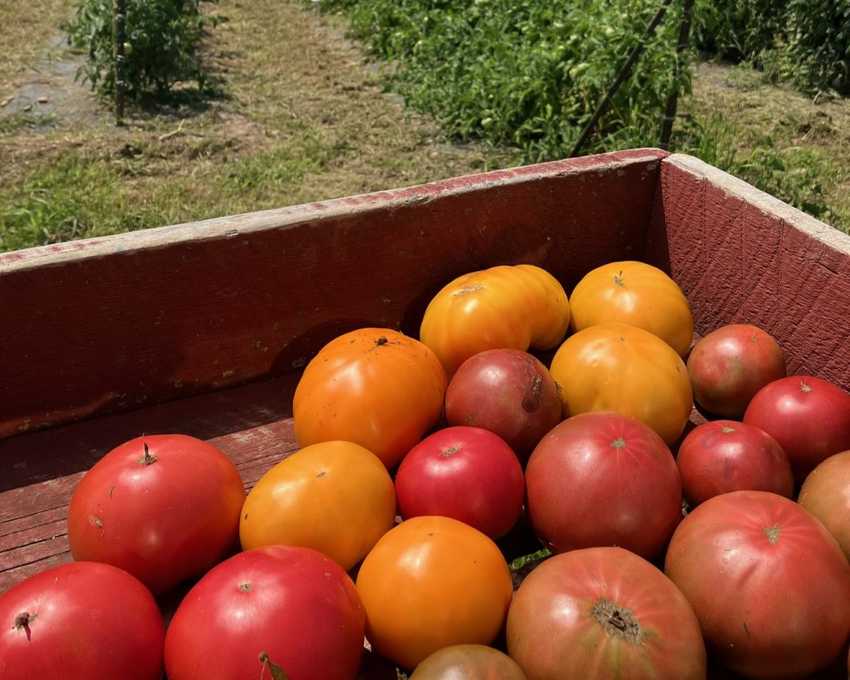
(743, 256)
(120, 322)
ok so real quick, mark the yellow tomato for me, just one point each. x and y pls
(515, 307)
(637, 294)
(429, 583)
(375, 387)
(617, 367)
(335, 497)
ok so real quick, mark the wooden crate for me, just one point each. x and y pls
(203, 328)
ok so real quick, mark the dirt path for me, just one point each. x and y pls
(304, 119)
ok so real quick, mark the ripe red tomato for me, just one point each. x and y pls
(729, 365)
(769, 585)
(163, 507)
(466, 473)
(508, 392)
(725, 455)
(809, 417)
(468, 662)
(281, 606)
(80, 621)
(826, 494)
(600, 614)
(601, 479)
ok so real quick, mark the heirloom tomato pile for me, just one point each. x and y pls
(522, 492)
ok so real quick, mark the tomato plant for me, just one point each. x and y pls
(80, 621)
(508, 392)
(616, 367)
(468, 662)
(725, 455)
(429, 583)
(281, 606)
(603, 613)
(769, 585)
(163, 507)
(809, 417)
(396, 380)
(603, 479)
(826, 494)
(514, 307)
(466, 473)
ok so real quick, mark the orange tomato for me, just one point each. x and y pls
(638, 294)
(617, 367)
(514, 307)
(375, 387)
(335, 497)
(429, 583)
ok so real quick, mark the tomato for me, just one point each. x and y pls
(334, 497)
(602, 479)
(374, 387)
(163, 507)
(514, 307)
(724, 455)
(508, 392)
(809, 417)
(729, 365)
(603, 614)
(826, 494)
(615, 367)
(769, 585)
(468, 662)
(429, 583)
(637, 294)
(466, 473)
(80, 621)
(282, 606)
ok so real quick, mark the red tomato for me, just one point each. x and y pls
(601, 479)
(724, 455)
(729, 365)
(281, 606)
(769, 585)
(809, 417)
(826, 494)
(468, 662)
(80, 621)
(465, 473)
(603, 614)
(508, 392)
(163, 507)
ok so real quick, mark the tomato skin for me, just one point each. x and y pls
(615, 367)
(725, 455)
(808, 416)
(602, 479)
(769, 585)
(165, 518)
(334, 497)
(78, 626)
(429, 583)
(397, 380)
(294, 604)
(467, 473)
(603, 614)
(468, 662)
(508, 392)
(826, 495)
(514, 307)
(729, 365)
(637, 294)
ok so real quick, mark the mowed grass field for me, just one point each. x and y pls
(304, 116)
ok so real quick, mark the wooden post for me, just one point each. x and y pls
(119, 16)
(622, 76)
(681, 60)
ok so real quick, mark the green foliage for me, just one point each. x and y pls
(525, 73)
(162, 44)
